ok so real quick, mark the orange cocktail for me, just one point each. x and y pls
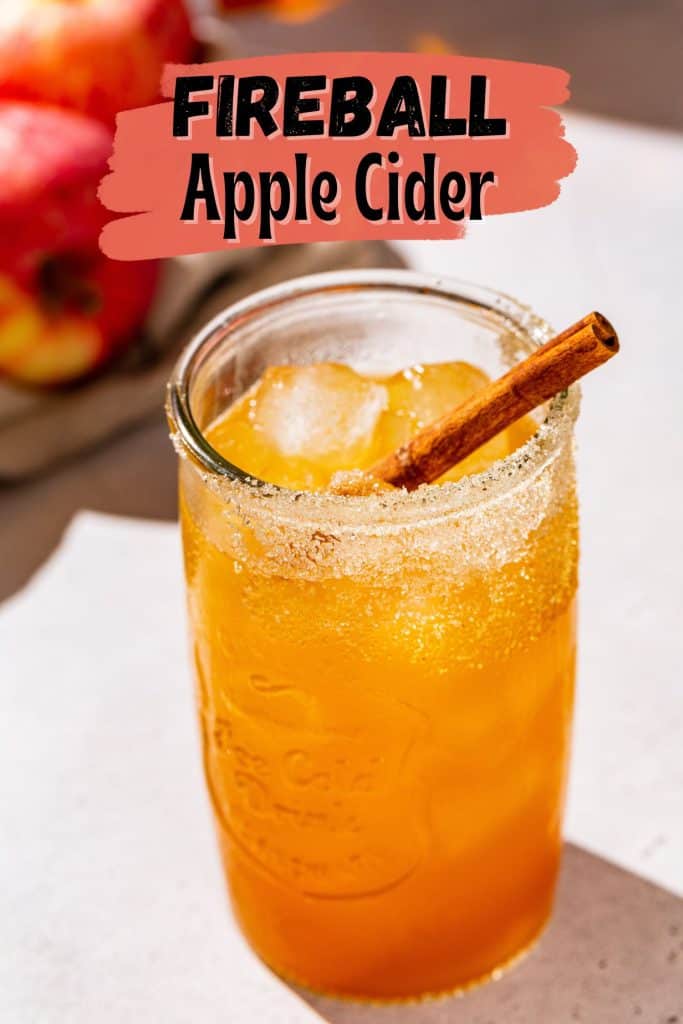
(385, 682)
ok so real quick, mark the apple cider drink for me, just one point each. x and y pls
(384, 682)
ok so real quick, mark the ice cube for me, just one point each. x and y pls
(300, 424)
(421, 394)
(318, 412)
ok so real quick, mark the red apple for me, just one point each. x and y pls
(64, 307)
(96, 56)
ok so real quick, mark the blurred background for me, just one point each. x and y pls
(86, 343)
(86, 346)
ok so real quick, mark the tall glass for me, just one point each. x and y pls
(385, 683)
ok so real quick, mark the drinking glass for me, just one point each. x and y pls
(384, 683)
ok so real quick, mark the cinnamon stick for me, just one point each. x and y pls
(444, 443)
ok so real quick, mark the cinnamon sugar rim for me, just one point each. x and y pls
(386, 509)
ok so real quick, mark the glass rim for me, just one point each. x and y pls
(501, 476)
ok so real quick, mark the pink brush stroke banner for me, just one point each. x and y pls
(150, 168)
